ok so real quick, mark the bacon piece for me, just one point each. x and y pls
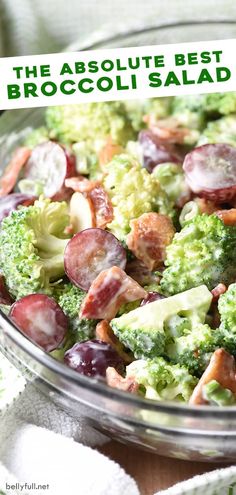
(112, 288)
(11, 172)
(115, 380)
(218, 291)
(105, 333)
(167, 129)
(95, 193)
(108, 151)
(206, 206)
(228, 217)
(150, 234)
(102, 206)
(81, 184)
(222, 368)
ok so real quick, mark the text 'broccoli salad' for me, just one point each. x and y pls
(118, 244)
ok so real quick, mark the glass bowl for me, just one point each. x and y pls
(197, 433)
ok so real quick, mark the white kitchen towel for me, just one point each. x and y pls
(218, 482)
(54, 455)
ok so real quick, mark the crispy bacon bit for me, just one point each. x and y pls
(217, 291)
(105, 333)
(108, 151)
(97, 195)
(81, 184)
(167, 129)
(228, 217)
(102, 206)
(150, 235)
(11, 172)
(222, 368)
(115, 380)
(206, 206)
(5, 297)
(111, 289)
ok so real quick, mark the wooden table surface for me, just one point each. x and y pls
(152, 472)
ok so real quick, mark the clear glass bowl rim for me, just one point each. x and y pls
(44, 359)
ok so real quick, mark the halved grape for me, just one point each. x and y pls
(151, 297)
(154, 151)
(41, 319)
(211, 171)
(46, 170)
(93, 357)
(11, 201)
(89, 252)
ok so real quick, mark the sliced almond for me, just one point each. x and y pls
(82, 214)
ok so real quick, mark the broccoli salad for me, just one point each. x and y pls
(118, 244)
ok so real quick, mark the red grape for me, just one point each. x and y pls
(50, 165)
(211, 171)
(151, 297)
(41, 319)
(89, 252)
(155, 152)
(93, 357)
(11, 201)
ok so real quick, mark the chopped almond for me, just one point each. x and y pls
(82, 214)
(108, 151)
(117, 381)
(222, 368)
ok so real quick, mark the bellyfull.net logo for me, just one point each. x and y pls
(25, 487)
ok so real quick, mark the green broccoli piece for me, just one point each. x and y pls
(203, 252)
(133, 191)
(160, 380)
(86, 159)
(220, 103)
(90, 122)
(158, 108)
(189, 113)
(172, 180)
(193, 349)
(216, 395)
(220, 131)
(70, 299)
(227, 328)
(146, 329)
(36, 136)
(32, 244)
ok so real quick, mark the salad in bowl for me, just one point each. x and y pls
(118, 244)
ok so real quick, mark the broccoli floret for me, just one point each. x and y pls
(216, 395)
(133, 191)
(227, 329)
(90, 121)
(32, 244)
(160, 380)
(220, 131)
(189, 113)
(37, 136)
(87, 159)
(193, 348)
(220, 103)
(70, 299)
(172, 180)
(146, 329)
(158, 108)
(203, 252)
